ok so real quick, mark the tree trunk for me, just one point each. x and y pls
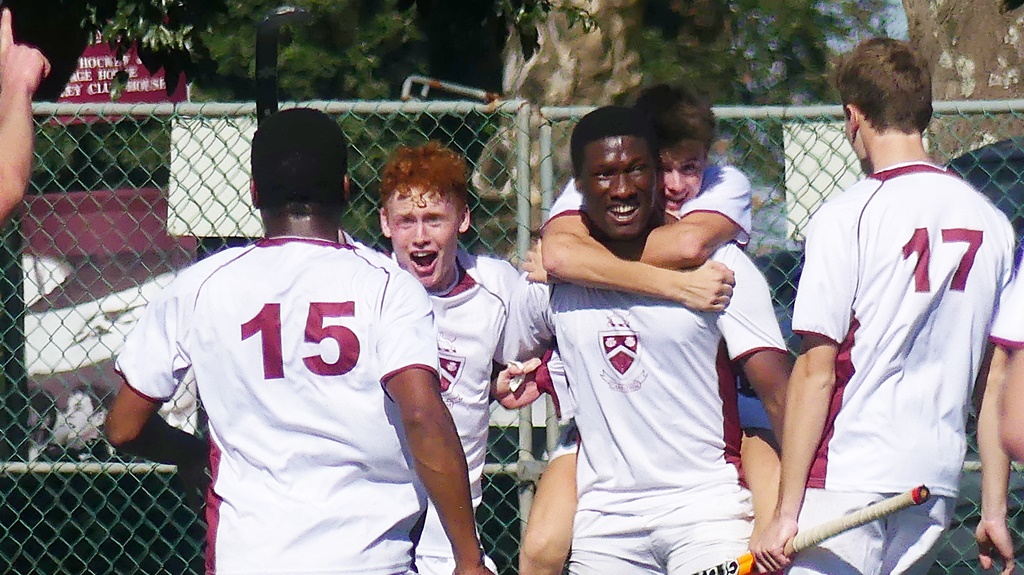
(572, 66)
(975, 50)
(977, 53)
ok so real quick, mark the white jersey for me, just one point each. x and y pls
(291, 341)
(470, 322)
(903, 271)
(724, 190)
(656, 394)
(1008, 329)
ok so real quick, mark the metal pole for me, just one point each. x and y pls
(522, 182)
(547, 171)
(249, 108)
(523, 207)
(547, 195)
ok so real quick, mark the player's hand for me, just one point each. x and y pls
(707, 288)
(769, 548)
(994, 539)
(515, 386)
(22, 67)
(534, 264)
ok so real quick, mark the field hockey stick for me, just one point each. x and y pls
(744, 564)
(268, 36)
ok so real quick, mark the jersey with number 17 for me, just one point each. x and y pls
(292, 342)
(904, 271)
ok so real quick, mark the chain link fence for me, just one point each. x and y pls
(125, 196)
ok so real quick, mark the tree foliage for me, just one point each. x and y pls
(738, 51)
(350, 49)
(753, 51)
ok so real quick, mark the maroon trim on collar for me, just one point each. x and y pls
(466, 282)
(915, 168)
(282, 240)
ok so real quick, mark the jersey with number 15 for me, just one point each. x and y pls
(904, 271)
(292, 342)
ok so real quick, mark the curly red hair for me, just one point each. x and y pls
(424, 171)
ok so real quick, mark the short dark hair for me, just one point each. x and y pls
(889, 82)
(608, 122)
(678, 114)
(299, 156)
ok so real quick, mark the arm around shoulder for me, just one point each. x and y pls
(572, 255)
(690, 241)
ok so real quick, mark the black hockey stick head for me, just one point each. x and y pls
(268, 35)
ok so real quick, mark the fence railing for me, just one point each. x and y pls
(124, 196)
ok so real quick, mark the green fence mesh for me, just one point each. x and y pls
(124, 196)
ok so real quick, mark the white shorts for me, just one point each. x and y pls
(667, 542)
(902, 543)
(427, 565)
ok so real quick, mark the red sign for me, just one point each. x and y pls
(93, 80)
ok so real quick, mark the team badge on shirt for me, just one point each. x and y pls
(621, 347)
(619, 350)
(451, 364)
(451, 369)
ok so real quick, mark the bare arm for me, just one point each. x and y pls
(439, 461)
(690, 241)
(571, 254)
(21, 70)
(760, 459)
(807, 403)
(992, 533)
(548, 534)
(1012, 406)
(768, 372)
(134, 427)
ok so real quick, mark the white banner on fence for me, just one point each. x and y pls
(208, 194)
(819, 162)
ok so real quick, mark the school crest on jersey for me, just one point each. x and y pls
(620, 345)
(451, 369)
(619, 349)
(452, 365)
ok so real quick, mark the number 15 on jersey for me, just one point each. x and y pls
(267, 323)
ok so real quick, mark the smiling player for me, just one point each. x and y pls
(712, 203)
(658, 477)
